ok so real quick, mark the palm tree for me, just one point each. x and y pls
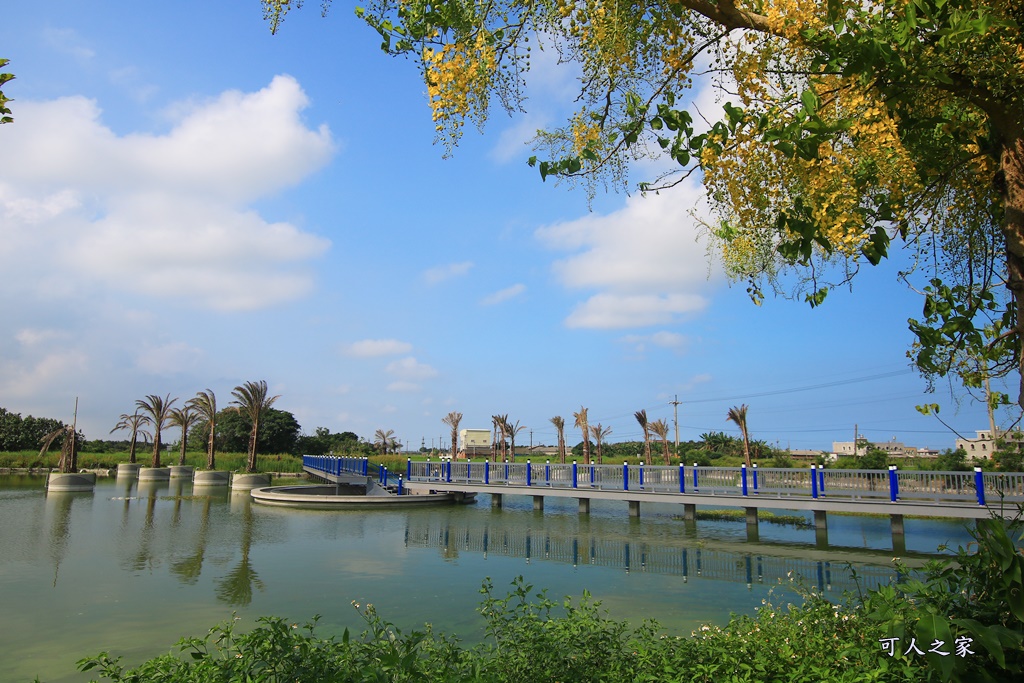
(559, 423)
(641, 417)
(68, 451)
(184, 417)
(382, 439)
(599, 433)
(581, 423)
(500, 422)
(660, 428)
(205, 404)
(158, 410)
(453, 419)
(133, 423)
(252, 400)
(738, 414)
(512, 430)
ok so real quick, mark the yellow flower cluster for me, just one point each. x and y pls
(458, 78)
(586, 133)
(753, 182)
(788, 17)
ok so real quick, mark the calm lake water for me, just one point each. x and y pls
(130, 571)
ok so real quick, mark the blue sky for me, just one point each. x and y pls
(188, 202)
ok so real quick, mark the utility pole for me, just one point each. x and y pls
(855, 437)
(675, 408)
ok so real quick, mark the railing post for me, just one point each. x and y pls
(383, 473)
(487, 471)
(821, 480)
(755, 477)
(574, 474)
(814, 481)
(979, 485)
(366, 466)
(408, 468)
(529, 472)
(399, 484)
(682, 478)
(469, 471)
(449, 477)
(743, 473)
(695, 487)
(625, 476)
(591, 473)
(894, 486)
(641, 475)
(506, 470)
(547, 473)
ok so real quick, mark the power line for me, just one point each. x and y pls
(810, 387)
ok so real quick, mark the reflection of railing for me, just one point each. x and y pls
(816, 482)
(633, 555)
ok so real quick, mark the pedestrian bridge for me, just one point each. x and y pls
(893, 492)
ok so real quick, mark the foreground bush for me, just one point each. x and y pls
(970, 608)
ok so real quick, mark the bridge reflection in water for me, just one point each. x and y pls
(685, 558)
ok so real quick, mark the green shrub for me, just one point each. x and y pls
(973, 601)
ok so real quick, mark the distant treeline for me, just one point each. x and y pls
(280, 432)
(19, 433)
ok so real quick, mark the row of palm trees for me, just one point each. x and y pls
(660, 428)
(158, 413)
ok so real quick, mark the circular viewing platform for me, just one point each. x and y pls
(349, 497)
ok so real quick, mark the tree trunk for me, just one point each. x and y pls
(156, 448)
(210, 464)
(1012, 189)
(251, 464)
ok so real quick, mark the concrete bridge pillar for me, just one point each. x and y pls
(899, 539)
(689, 512)
(496, 501)
(584, 506)
(752, 530)
(634, 508)
(821, 528)
(538, 503)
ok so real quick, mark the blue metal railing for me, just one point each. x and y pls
(816, 482)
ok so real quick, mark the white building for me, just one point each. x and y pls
(982, 446)
(474, 442)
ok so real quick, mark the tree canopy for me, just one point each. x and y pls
(5, 112)
(279, 432)
(845, 126)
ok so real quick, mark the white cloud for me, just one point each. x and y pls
(168, 359)
(36, 374)
(403, 387)
(648, 261)
(67, 41)
(369, 348)
(622, 311)
(513, 143)
(503, 295)
(35, 337)
(662, 339)
(446, 272)
(409, 368)
(164, 215)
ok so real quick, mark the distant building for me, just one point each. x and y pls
(982, 446)
(475, 443)
(804, 454)
(895, 449)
